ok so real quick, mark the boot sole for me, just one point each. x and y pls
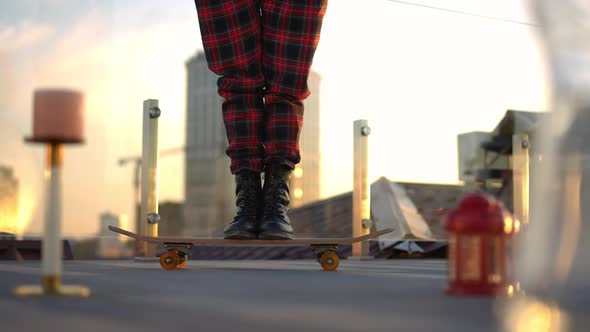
(275, 236)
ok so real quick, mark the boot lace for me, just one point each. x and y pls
(275, 199)
(247, 197)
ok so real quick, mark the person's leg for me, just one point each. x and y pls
(230, 31)
(290, 34)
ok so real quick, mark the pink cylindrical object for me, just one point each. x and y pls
(58, 116)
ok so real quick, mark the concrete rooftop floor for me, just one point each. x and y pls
(378, 295)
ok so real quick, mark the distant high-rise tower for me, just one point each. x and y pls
(209, 186)
(8, 201)
(305, 180)
(109, 243)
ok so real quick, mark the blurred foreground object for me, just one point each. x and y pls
(554, 256)
(57, 120)
(480, 235)
(58, 117)
(550, 245)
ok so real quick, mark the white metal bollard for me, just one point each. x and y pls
(361, 202)
(52, 244)
(149, 216)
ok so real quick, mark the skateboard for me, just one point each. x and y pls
(177, 248)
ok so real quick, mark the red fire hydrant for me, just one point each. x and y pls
(480, 234)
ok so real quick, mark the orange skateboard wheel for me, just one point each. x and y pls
(169, 260)
(329, 261)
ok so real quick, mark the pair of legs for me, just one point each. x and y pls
(262, 50)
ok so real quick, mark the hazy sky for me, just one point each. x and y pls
(420, 77)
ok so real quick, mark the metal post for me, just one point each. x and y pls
(137, 195)
(149, 216)
(361, 204)
(52, 246)
(52, 254)
(520, 177)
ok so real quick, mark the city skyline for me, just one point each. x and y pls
(8, 200)
(419, 76)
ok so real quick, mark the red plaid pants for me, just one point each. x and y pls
(262, 50)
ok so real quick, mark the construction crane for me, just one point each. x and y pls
(137, 175)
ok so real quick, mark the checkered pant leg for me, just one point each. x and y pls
(230, 31)
(291, 31)
(243, 118)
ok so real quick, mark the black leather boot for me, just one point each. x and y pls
(248, 197)
(275, 224)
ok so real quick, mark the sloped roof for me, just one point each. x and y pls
(331, 217)
(434, 201)
(518, 122)
(513, 122)
(414, 210)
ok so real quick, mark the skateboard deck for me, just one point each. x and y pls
(221, 241)
(178, 248)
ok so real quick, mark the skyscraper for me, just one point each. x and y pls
(209, 186)
(8, 201)
(305, 181)
(110, 245)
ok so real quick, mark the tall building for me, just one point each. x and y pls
(107, 219)
(305, 181)
(171, 219)
(8, 201)
(209, 186)
(110, 245)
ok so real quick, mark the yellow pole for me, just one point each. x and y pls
(520, 176)
(149, 179)
(361, 204)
